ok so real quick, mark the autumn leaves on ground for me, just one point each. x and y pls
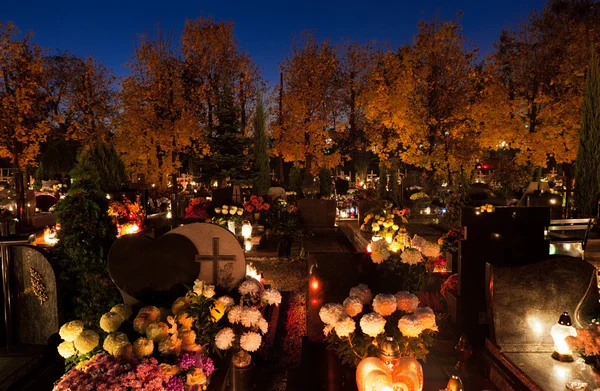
(434, 104)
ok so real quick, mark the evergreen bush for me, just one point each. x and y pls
(100, 166)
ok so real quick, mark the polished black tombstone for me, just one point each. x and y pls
(524, 302)
(505, 236)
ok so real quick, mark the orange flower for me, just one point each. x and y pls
(249, 208)
(266, 206)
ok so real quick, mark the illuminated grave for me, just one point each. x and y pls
(525, 303)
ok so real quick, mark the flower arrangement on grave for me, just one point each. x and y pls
(356, 328)
(172, 344)
(421, 199)
(247, 326)
(449, 241)
(256, 205)
(283, 220)
(486, 208)
(197, 209)
(227, 213)
(128, 216)
(385, 222)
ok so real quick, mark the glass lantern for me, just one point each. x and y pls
(246, 230)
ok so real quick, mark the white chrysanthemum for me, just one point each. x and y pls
(263, 325)
(430, 249)
(113, 341)
(353, 306)
(209, 291)
(407, 302)
(111, 321)
(86, 341)
(224, 338)
(235, 314)
(250, 341)
(384, 305)
(379, 251)
(331, 313)
(418, 242)
(327, 329)
(372, 324)
(198, 287)
(427, 318)
(157, 332)
(142, 321)
(410, 326)
(250, 287)
(411, 256)
(70, 331)
(227, 301)
(362, 292)
(66, 349)
(143, 347)
(122, 309)
(345, 327)
(250, 316)
(271, 297)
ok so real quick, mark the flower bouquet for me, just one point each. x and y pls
(247, 326)
(255, 206)
(355, 337)
(587, 344)
(227, 213)
(449, 241)
(169, 349)
(385, 222)
(128, 216)
(197, 209)
(420, 199)
(284, 220)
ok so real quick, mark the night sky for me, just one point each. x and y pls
(107, 29)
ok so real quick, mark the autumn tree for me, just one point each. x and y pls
(307, 131)
(421, 97)
(157, 122)
(23, 124)
(534, 83)
(84, 99)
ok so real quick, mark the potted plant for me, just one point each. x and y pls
(284, 222)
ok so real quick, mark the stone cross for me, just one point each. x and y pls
(213, 261)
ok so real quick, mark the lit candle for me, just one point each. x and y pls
(561, 330)
(246, 230)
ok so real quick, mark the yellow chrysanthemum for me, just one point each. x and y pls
(152, 312)
(157, 332)
(114, 341)
(111, 321)
(124, 350)
(70, 331)
(143, 347)
(122, 309)
(66, 349)
(141, 323)
(86, 341)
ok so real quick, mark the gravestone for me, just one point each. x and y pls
(525, 302)
(317, 213)
(506, 236)
(276, 192)
(231, 195)
(157, 271)
(342, 186)
(35, 303)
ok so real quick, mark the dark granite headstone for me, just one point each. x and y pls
(35, 303)
(317, 213)
(504, 237)
(44, 202)
(231, 195)
(155, 271)
(525, 302)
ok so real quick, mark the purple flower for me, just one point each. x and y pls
(207, 365)
(175, 384)
(186, 360)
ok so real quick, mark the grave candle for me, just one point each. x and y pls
(454, 384)
(246, 230)
(560, 331)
